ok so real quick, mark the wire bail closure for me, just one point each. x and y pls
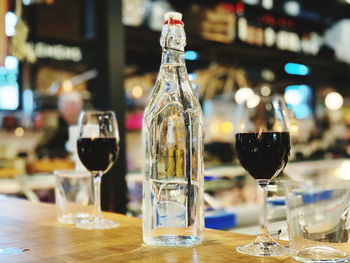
(169, 22)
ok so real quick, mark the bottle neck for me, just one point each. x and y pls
(173, 42)
(172, 56)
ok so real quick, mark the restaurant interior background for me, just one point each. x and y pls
(108, 52)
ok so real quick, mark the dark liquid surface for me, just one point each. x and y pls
(97, 154)
(263, 155)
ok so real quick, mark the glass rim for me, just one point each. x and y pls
(67, 171)
(263, 131)
(330, 182)
(97, 112)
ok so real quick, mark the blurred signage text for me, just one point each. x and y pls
(58, 52)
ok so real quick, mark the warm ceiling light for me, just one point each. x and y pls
(137, 92)
(265, 90)
(334, 101)
(243, 94)
(19, 132)
(253, 101)
(67, 85)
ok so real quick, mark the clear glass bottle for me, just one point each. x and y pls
(173, 212)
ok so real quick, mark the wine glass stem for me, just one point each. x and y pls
(97, 195)
(263, 214)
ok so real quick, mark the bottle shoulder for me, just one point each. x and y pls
(169, 104)
(172, 91)
(164, 93)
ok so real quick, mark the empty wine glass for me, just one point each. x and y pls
(263, 145)
(97, 144)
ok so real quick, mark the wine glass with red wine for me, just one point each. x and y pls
(262, 146)
(97, 144)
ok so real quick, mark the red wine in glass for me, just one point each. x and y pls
(263, 154)
(97, 146)
(97, 154)
(262, 146)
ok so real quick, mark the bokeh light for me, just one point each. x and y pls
(243, 94)
(334, 101)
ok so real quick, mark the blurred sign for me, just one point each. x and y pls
(32, 2)
(3, 37)
(58, 52)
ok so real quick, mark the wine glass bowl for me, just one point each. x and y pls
(262, 146)
(97, 145)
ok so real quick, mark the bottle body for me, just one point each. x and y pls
(173, 213)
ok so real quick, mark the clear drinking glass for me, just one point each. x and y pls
(97, 144)
(318, 218)
(263, 145)
(74, 197)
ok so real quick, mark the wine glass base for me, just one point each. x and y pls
(263, 249)
(98, 223)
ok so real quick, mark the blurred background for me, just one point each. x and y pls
(60, 56)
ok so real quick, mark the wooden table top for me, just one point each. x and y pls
(31, 233)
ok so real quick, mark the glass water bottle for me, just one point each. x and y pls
(172, 131)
